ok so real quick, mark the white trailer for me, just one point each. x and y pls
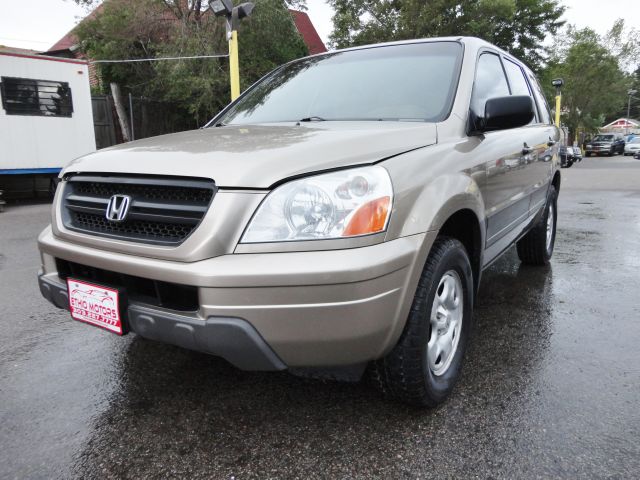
(46, 119)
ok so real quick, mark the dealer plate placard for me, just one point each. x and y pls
(95, 304)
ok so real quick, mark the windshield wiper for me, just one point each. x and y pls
(313, 118)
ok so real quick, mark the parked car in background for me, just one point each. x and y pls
(606, 144)
(632, 146)
(338, 214)
(577, 154)
(566, 156)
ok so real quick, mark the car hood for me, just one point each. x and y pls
(257, 156)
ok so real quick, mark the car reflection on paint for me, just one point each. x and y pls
(577, 154)
(566, 156)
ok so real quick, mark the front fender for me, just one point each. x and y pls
(427, 192)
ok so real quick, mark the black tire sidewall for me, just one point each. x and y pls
(456, 258)
(552, 200)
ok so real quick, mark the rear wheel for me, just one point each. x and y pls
(536, 247)
(425, 364)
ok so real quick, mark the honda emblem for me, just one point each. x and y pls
(118, 208)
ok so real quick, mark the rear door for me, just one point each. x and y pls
(547, 139)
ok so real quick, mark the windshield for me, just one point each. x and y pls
(412, 82)
(603, 138)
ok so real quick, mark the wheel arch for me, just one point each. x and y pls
(450, 205)
(464, 226)
(556, 181)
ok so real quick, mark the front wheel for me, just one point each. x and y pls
(536, 247)
(425, 364)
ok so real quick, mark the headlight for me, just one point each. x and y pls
(346, 203)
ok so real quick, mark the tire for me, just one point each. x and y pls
(411, 372)
(536, 248)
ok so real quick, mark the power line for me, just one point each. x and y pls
(25, 40)
(132, 60)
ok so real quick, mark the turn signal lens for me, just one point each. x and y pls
(369, 218)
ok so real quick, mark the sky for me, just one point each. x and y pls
(38, 24)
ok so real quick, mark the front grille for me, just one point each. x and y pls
(163, 210)
(173, 296)
(167, 193)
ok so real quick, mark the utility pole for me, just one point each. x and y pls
(122, 113)
(558, 83)
(631, 93)
(233, 15)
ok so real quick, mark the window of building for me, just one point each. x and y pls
(24, 96)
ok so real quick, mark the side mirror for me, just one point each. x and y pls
(501, 113)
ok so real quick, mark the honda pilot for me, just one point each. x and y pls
(337, 215)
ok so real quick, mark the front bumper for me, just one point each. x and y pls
(270, 311)
(599, 149)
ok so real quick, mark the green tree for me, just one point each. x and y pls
(518, 26)
(595, 84)
(635, 100)
(136, 29)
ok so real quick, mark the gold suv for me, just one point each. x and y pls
(338, 214)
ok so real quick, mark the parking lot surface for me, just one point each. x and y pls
(550, 387)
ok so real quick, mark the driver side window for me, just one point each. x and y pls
(490, 82)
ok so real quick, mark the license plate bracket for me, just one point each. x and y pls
(98, 305)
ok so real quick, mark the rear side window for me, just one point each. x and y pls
(25, 96)
(543, 107)
(490, 82)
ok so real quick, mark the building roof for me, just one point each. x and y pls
(70, 39)
(308, 31)
(301, 19)
(623, 123)
(21, 51)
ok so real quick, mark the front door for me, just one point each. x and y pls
(506, 152)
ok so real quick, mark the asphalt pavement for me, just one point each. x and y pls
(550, 386)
